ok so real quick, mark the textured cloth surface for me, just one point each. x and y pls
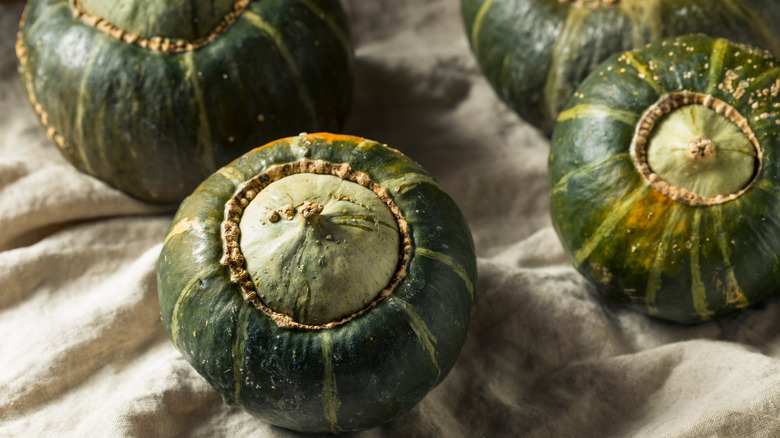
(83, 351)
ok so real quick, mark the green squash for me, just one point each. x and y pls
(535, 53)
(322, 282)
(664, 175)
(153, 96)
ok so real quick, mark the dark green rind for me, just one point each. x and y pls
(155, 125)
(383, 362)
(519, 40)
(594, 183)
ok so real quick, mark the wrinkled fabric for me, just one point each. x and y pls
(83, 351)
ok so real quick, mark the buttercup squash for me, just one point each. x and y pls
(154, 96)
(535, 53)
(665, 174)
(322, 282)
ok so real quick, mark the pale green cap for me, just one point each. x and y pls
(319, 248)
(695, 148)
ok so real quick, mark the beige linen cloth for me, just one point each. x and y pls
(83, 352)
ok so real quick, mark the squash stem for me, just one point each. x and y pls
(701, 148)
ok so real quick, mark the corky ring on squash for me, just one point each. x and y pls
(664, 173)
(535, 53)
(322, 282)
(153, 96)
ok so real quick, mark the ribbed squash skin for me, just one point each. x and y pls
(156, 124)
(669, 259)
(535, 53)
(353, 376)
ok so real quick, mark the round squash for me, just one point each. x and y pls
(535, 53)
(664, 175)
(153, 96)
(322, 282)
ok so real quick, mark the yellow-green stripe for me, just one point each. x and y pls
(604, 230)
(716, 64)
(566, 47)
(43, 17)
(698, 290)
(738, 7)
(186, 225)
(205, 142)
(477, 28)
(408, 182)
(427, 339)
(189, 288)
(766, 78)
(591, 168)
(276, 36)
(330, 393)
(408, 179)
(587, 111)
(449, 261)
(341, 35)
(733, 292)
(646, 20)
(656, 268)
(643, 71)
(84, 97)
(233, 174)
(239, 347)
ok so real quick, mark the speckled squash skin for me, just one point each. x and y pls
(153, 116)
(670, 259)
(535, 53)
(352, 376)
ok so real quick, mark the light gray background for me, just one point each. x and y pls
(83, 352)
